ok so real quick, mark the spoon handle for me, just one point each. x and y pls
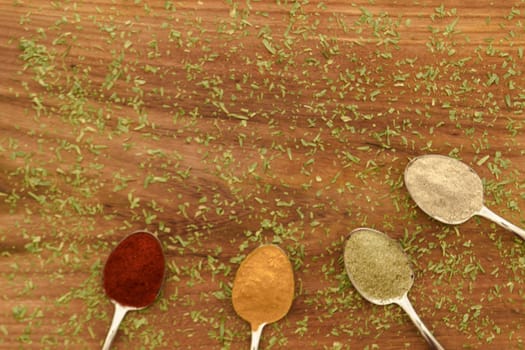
(256, 336)
(489, 214)
(118, 316)
(409, 309)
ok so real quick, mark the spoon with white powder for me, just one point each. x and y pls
(449, 191)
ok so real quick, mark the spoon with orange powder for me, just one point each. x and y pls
(263, 289)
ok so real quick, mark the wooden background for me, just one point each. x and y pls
(221, 125)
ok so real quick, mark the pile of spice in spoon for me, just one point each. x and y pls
(381, 272)
(263, 288)
(449, 191)
(133, 276)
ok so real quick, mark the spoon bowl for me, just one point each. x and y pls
(133, 276)
(449, 191)
(381, 272)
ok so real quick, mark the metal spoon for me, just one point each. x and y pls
(118, 316)
(439, 196)
(380, 271)
(256, 337)
(256, 279)
(135, 268)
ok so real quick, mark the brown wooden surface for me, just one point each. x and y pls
(223, 125)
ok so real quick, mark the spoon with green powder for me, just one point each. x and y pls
(449, 191)
(381, 272)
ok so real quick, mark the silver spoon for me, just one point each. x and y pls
(263, 282)
(118, 316)
(381, 272)
(133, 276)
(449, 191)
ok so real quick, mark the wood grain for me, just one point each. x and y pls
(223, 125)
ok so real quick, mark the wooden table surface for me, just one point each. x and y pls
(222, 125)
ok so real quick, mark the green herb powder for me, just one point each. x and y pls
(377, 266)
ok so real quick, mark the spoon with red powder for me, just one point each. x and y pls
(133, 276)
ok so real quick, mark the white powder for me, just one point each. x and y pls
(444, 188)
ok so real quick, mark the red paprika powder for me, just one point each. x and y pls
(134, 271)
